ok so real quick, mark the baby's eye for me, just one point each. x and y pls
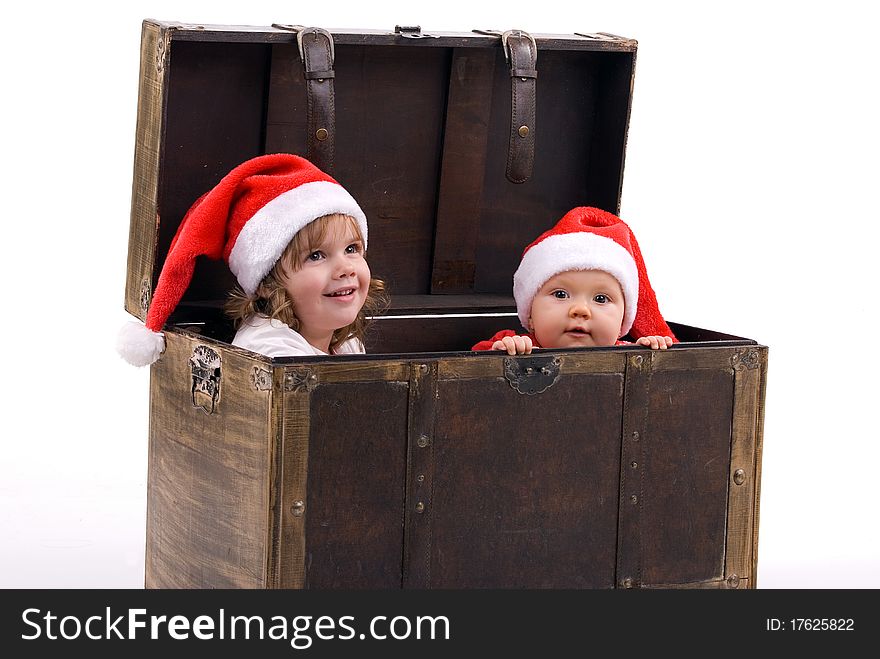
(560, 295)
(354, 248)
(601, 298)
(315, 256)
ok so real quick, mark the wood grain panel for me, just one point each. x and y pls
(525, 492)
(357, 467)
(208, 492)
(143, 229)
(686, 454)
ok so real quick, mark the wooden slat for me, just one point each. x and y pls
(629, 532)
(462, 170)
(286, 116)
(608, 148)
(714, 584)
(280, 34)
(143, 231)
(381, 371)
(759, 452)
(741, 513)
(294, 482)
(447, 303)
(274, 457)
(692, 359)
(418, 511)
(464, 368)
(589, 361)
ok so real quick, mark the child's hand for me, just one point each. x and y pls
(655, 342)
(514, 345)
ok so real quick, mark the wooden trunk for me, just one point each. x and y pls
(423, 465)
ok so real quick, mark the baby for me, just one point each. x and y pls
(295, 241)
(583, 283)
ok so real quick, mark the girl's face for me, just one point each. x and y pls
(330, 286)
(578, 308)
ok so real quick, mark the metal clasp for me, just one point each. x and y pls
(205, 368)
(531, 375)
(412, 32)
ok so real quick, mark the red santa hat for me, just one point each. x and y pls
(592, 239)
(248, 219)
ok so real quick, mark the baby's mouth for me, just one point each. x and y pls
(577, 330)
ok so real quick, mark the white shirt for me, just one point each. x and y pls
(273, 338)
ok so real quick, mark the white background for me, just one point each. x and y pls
(751, 179)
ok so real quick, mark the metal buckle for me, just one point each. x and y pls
(518, 33)
(316, 31)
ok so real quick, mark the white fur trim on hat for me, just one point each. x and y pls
(138, 345)
(575, 251)
(265, 236)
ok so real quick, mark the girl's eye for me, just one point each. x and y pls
(601, 299)
(560, 295)
(354, 248)
(315, 256)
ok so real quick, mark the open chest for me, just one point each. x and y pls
(421, 464)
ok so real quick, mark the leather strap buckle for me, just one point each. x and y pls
(505, 36)
(316, 31)
(318, 55)
(521, 53)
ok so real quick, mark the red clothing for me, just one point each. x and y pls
(487, 345)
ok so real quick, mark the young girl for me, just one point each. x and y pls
(295, 241)
(582, 284)
(315, 299)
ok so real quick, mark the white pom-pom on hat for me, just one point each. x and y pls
(138, 345)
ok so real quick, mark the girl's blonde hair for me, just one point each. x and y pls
(271, 298)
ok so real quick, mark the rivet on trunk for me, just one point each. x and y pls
(739, 476)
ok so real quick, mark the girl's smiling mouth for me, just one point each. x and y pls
(341, 293)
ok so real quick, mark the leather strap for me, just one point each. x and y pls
(317, 54)
(522, 55)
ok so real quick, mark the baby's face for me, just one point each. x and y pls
(578, 308)
(331, 285)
